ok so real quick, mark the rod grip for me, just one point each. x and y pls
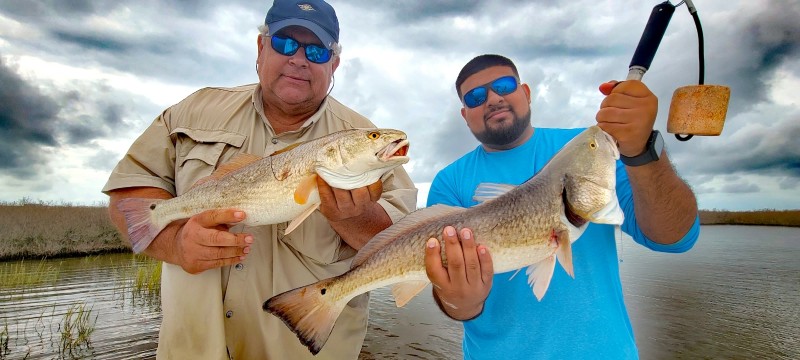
(652, 35)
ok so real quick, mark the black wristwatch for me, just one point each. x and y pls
(652, 151)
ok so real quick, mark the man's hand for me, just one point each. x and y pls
(354, 214)
(627, 114)
(203, 241)
(199, 243)
(339, 205)
(460, 288)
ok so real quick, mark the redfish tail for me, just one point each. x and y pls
(141, 228)
(310, 312)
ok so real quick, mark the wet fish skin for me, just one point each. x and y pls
(527, 225)
(277, 188)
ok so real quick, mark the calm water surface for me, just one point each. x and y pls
(735, 295)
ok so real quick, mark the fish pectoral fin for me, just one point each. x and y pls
(303, 191)
(564, 252)
(299, 219)
(488, 191)
(405, 291)
(540, 274)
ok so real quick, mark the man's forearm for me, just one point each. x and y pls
(665, 206)
(357, 231)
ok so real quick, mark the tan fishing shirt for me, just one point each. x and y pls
(217, 314)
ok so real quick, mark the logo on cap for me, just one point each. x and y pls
(305, 7)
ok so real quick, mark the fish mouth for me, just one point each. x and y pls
(393, 151)
(614, 147)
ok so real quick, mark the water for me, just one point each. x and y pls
(735, 295)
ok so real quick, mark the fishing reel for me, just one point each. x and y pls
(695, 109)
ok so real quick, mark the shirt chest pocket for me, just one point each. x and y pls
(198, 153)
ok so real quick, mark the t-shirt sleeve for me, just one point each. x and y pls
(629, 226)
(150, 161)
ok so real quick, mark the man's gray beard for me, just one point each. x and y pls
(507, 135)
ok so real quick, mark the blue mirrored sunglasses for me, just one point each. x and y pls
(501, 86)
(287, 46)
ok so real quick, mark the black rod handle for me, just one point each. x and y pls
(651, 38)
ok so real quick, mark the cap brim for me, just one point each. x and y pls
(326, 39)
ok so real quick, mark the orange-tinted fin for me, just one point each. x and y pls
(238, 162)
(303, 191)
(299, 219)
(290, 147)
(405, 291)
(310, 312)
(540, 274)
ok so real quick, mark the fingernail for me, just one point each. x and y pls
(246, 250)
(431, 243)
(241, 258)
(239, 215)
(466, 234)
(450, 231)
(248, 239)
(482, 251)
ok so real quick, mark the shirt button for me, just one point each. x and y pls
(274, 141)
(239, 266)
(229, 314)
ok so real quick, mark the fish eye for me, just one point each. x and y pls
(593, 145)
(374, 135)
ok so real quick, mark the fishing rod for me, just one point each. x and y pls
(694, 110)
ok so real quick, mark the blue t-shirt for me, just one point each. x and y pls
(580, 318)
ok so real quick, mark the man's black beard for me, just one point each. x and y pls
(506, 135)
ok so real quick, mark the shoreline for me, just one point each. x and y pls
(44, 230)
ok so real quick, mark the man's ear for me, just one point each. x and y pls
(335, 64)
(464, 113)
(260, 44)
(527, 90)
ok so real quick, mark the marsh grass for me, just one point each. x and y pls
(767, 217)
(4, 340)
(35, 230)
(25, 274)
(76, 330)
(139, 281)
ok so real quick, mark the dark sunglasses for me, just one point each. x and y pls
(501, 86)
(287, 46)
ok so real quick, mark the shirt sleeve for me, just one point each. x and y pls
(629, 226)
(150, 161)
(399, 196)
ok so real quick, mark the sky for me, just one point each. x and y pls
(80, 80)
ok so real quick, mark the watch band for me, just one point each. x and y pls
(652, 151)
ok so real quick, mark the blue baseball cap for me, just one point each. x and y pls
(315, 15)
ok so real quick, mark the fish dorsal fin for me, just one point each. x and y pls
(236, 163)
(405, 291)
(407, 223)
(288, 148)
(304, 189)
(299, 219)
(488, 191)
